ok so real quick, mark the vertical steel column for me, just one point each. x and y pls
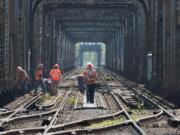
(122, 49)
(81, 57)
(155, 35)
(169, 44)
(99, 58)
(118, 50)
(46, 43)
(65, 54)
(106, 55)
(40, 24)
(112, 53)
(54, 42)
(70, 54)
(58, 43)
(6, 48)
(73, 54)
(63, 51)
(2, 42)
(173, 42)
(125, 46)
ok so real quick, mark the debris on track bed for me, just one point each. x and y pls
(69, 116)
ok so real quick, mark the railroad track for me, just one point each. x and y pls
(149, 115)
(13, 109)
(28, 118)
(83, 123)
(9, 118)
(121, 108)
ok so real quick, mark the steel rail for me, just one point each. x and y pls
(147, 98)
(21, 108)
(57, 112)
(139, 130)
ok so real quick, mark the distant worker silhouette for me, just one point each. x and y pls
(89, 79)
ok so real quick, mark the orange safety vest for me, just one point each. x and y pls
(90, 76)
(55, 74)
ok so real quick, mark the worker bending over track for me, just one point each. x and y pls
(22, 79)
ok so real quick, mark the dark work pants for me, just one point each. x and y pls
(90, 93)
(55, 87)
(39, 83)
(22, 85)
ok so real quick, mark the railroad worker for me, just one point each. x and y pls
(39, 78)
(22, 79)
(89, 79)
(55, 75)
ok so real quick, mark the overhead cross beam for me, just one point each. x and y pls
(54, 6)
(66, 14)
(90, 31)
(78, 19)
(105, 23)
(93, 28)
